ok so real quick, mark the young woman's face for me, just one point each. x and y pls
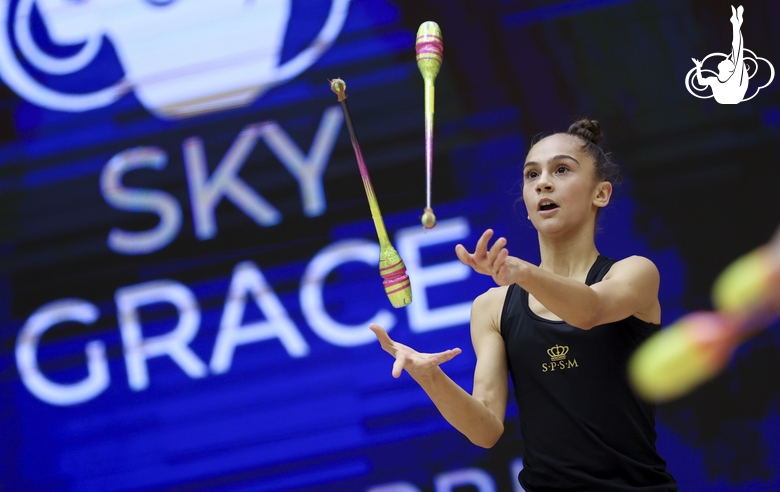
(559, 184)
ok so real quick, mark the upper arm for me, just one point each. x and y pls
(630, 288)
(490, 375)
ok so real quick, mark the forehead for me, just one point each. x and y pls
(554, 145)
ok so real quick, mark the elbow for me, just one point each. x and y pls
(484, 443)
(489, 439)
(588, 314)
(585, 322)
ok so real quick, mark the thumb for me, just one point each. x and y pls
(447, 355)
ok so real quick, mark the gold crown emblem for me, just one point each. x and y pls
(558, 352)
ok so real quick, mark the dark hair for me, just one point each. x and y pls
(589, 131)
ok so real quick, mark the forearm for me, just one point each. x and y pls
(466, 413)
(569, 299)
(699, 79)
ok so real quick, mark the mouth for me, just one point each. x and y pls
(545, 205)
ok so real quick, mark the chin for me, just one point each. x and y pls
(549, 226)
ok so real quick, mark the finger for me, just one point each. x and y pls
(499, 261)
(380, 333)
(398, 366)
(467, 258)
(447, 355)
(502, 256)
(501, 274)
(384, 339)
(464, 256)
(481, 249)
(495, 250)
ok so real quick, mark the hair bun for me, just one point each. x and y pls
(590, 130)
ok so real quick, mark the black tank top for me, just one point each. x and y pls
(582, 426)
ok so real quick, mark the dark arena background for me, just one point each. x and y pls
(189, 265)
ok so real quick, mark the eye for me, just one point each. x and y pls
(561, 169)
(531, 174)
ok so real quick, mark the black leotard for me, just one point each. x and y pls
(582, 426)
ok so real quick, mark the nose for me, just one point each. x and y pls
(544, 183)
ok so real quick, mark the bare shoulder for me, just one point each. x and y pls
(487, 307)
(634, 266)
(492, 298)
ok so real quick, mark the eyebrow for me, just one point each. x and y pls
(557, 157)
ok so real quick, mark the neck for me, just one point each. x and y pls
(571, 256)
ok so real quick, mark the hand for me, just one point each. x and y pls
(418, 365)
(495, 262)
(697, 62)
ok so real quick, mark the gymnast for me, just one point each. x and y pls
(731, 84)
(563, 330)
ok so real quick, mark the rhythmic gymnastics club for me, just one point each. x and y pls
(429, 48)
(391, 266)
(699, 346)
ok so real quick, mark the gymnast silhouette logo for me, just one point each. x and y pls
(180, 57)
(735, 70)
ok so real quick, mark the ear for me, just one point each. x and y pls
(603, 193)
